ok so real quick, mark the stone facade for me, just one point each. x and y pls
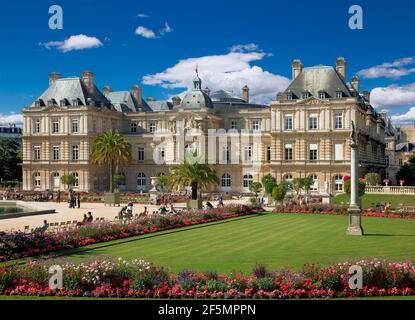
(305, 131)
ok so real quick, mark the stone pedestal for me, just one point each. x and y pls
(325, 199)
(153, 191)
(355, 222)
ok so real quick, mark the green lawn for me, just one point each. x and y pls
(277, 240)
(369, 200)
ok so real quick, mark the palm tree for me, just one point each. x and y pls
(110, 148)
(197, 175)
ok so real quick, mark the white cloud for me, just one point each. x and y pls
(144, 32)
(406, 118)
(5, 119)
(77, 42)
(392, 70)
(393, 96)
(141, 15)
(229, 71)
(166, 29)
(244, 47)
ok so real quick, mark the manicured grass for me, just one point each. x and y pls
(369, 200)
(277, 240)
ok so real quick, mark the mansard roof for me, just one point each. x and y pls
(225, 96)
(123, 101)
(70, 89)
(318, 79)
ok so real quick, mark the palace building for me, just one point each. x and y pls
(305, 131)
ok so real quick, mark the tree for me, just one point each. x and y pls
(297, 185)
(11, 160)
(111, 149)
(407, 172)
(372, 179)
(119, 180)
(68, 180)
(163, 182)
(306, 184)
(256, 188)
(279, 192)
(361, 186)
(194, 174)
(269, 182)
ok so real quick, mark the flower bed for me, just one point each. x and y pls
(140, 279)
(340, 210)
(18, 245)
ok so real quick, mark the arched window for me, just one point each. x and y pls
(36, 178)
(56, 180)
(288, 177)
(76, 182)
(338, 183)
(226, 180)
(248, 180)
(141, 180)
(314, 186)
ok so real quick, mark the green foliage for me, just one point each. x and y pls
(163, 182)
(255, 187)
(407, 172)
(68, 180)
(266, 284)
(279, 192)
(110, 148)
(269, 182)
(119, 179)
(306, 184)
(254, 201)
(194, 174)
(10, 159)
(215, 285)
(372, 179)
(361, 186)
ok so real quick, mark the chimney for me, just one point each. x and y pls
(297, 67)
(53, 76)
(341, 67)
(88, 80)
(207, 91)
(355, 83)
(107, 90)
(176, 100)
(245, 94)
(137, 93)
(366, 95)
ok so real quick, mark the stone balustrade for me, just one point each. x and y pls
(390, 189)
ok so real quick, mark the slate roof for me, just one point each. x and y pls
(316, 79)
(225, 96)
(123, 101)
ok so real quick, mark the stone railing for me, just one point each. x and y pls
(390, 189)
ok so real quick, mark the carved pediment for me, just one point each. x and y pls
(313, 101)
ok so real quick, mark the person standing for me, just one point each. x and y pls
(79, 200)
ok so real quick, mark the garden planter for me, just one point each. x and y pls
(112, 199)
(194, 204)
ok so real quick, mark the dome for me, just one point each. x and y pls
(196, 98)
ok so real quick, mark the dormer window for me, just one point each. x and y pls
(339, 94)
(289, 96)
(305, 95)
(37, 103)
(62, 103)
(50, 103)
(322, 95)
(75, 102)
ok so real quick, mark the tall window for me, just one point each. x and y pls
(400, 162)
(234, 124)
(74, 125)
(141, 180)
(322, 95)
(152, 127)
(288, 122)
(226, 180)
(338, 120)
(288, 178)
(313, 121)
(339, 94)
(36, 151)
(56, 180)
(133, 127)
(248, 153)
(75, 153)
(288, 152)
(140, 153)
(76, 181)
(225, 154)
(36, 177)
(314, 186)
(255, 125)
(338, 152)
(247, 180)
(55, 126)
(268, 153)
(36, 127)
(161, 153)
(55, 153)
(387, 160)
(313, 152)
(338, 183)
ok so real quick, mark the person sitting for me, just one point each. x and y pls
(121, 213)
(144, 213)
(209, 205)
(44, 226)
(83, 222)
(162, 210)
(90, 217)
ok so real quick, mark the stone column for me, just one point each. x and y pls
(355, 222)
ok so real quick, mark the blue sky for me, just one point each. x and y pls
(233, 42)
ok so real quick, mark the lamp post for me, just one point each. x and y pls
(355, 219)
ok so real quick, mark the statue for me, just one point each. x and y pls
(353, 135)
(326, 187)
